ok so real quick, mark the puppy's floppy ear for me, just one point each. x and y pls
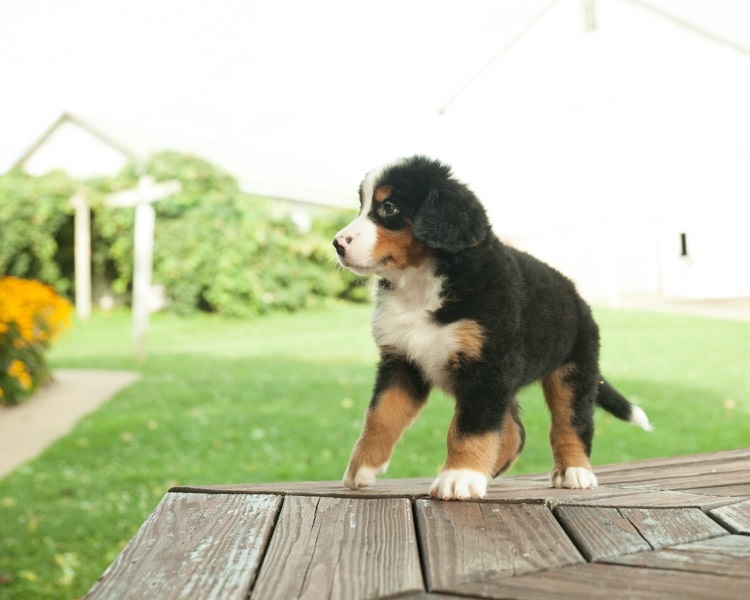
(450, 218)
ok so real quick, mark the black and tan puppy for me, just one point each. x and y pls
(459, 310)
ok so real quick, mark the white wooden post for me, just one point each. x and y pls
(82, 253)
(142, 198)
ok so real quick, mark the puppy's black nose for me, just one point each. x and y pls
(340, 250)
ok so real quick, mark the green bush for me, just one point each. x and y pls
(220, 250)
(217, 249)
(233, 257)
(35, 213)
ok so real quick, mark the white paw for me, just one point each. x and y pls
(365, 476)
(459, 484)
(575, 478)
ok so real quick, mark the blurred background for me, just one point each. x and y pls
(609, 137)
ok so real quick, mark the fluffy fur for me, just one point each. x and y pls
(459, 310)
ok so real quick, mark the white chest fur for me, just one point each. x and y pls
(403, 322)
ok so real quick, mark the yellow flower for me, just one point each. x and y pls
(32, 315)
(34, 308)
(19, 370)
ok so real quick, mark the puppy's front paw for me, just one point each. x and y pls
(459, 484)
(357, 478)
(573, 478)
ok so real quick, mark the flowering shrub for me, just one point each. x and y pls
(32, 315)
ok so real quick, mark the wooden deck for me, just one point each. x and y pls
(675, 527)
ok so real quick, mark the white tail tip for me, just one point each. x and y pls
(639, 417)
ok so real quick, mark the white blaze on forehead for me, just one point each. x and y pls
(363, 232)
(368, 188)
(372, 181)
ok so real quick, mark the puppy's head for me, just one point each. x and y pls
(409, 210)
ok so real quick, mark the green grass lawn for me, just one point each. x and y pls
(281, 398)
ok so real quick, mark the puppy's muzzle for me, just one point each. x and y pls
(341, 243)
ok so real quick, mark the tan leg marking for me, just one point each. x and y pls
(511, 444)
(475, 452)
(384, 423)
(468, 467)
(567, 448)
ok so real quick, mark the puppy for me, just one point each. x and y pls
(459, 310)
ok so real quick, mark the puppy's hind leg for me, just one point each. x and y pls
(400, 393)
(570, 398)
(512, 439)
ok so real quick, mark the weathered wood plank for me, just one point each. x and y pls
(464, 542)
(542, 493)
(193, 546)
(341, 548)
(731, 466)
(596, 580)
(728, 555)
(385, 488)
(694, 482)
(430, 596)
(703, 461)
(735, 517)
(647, 469)
(662, 527)
(600, 532)
(652, 499)
(733, 490)
(501, 490)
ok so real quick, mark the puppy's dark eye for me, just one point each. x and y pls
(388, 209)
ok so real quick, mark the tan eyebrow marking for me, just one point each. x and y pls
(383, 193)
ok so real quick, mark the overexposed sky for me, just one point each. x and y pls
(297, 76)
(348, 84)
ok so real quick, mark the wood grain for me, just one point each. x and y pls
(340, 548)
(596, 581)
(741, 489)
(674, 471)
(662, 527)
(385, 488)
(510, 489)
(728, 556)
(655, 499)
(193, 546)
(675, 527)
(735, 517)
(600, 532)
(464, 542)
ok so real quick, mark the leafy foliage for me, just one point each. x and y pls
(217, 249)
(35, 214)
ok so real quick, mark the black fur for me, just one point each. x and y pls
(536, 318)
(535, 322)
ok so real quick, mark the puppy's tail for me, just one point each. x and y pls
(614, 402)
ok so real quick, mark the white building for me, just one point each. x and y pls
(616, 147)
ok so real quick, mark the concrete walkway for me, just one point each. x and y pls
(28, 429)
